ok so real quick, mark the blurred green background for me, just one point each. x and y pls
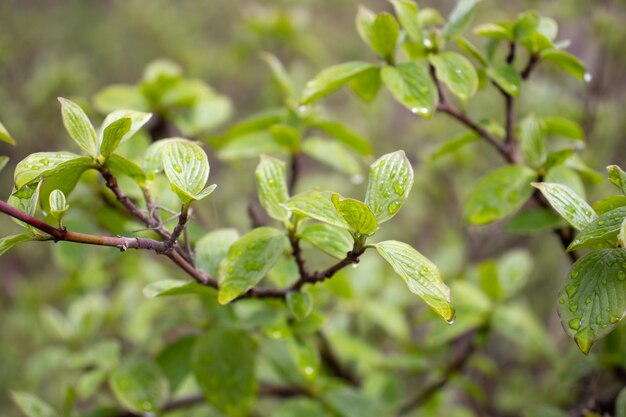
(74, 48)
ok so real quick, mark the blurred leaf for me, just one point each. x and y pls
(223, 363)
(460, 18)
(119, 96)
(591, 301)
(567, 62)
(280, 74)
(617, 177)
(563, 175)
(608, 204)
(357, 215)
(5, 136)
(603, 228)
(248, 261)
(454, 144)
(175, 361)
(345, 135)
(31, 406)
(514, 269)
(471, 50)
(348, 402)
(534, 221)
(286, 136)
(533, 141)
(507, 77)
(430, 17)
(187, 168)
(331, 79)
(562, 127)
(407, 14)
(420, 274)
(499, 193)
(139, 385)
(367, 84)
(119, 133)
(567, 203)
(316, 205)
(494, 31)
(519, 324)
(457, 73)
(300, 304)
(331, 240)
(620, 404)
(250, 145)
(306, 357)
(390, 182)
(170, 287)
(412, 86)
(333, 154)
(4, 160)
(8, 242)
(255, 123)
(583, 169)
(271, 179)
(213, 247)
(79, 127)
(121, 166)
(383, 35)
(300, 407)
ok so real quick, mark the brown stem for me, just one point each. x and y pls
(294, 168)
(332, 362)
(530, 66)
(180, 227)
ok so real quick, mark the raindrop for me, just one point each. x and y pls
(588, 77)
(574, 324)
(356, 179)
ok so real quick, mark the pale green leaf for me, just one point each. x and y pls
(499, 193)
(119, 96)
(331, 240)
(58, 205)
(357, 215)
(421, 275)
(213, 247)
(39, 165)
(460, 18)
(333, 154)
(300, 407)
(119, 131)
(316, 205)
(332, 79)
(494, 31)
(602, 229)
(383, 35)
(271, 179)
(411, 85)
(518, 323)
(609, 203)
(390, 182)
(617, 177)
(140, 386)
(349, 402)
(286, 136)
(534, 221)
(4, 160)
(592, 300)
(248, 260)
(561, 174)
(306, 357)
(407, 14)
(6, 243)
(32, 406)
(5, 136)
(507, 77)
(187, 168)
(567, 203)
(454, 144)
(532, 138)
(64, 177)
(472, 51)
(79, 127)
(455, 71)
(250, 145)
(223, 364)
(367, 84)
(430, 17)
(364, 21)
(300, 304)
(620, 404)
(567, 62)
(345, 135)
(122, 166)
(171, 287)
(280, 74)
(565, 128)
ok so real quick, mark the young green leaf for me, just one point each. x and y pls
(121, 166)
(32, 406)
(607, 204)
(286, 136)
(187, 168)
(357, 215)
(39, 165)
(534, 221)
(412, 86)
(79, 127)
(223, 363)
(499, 193)
(421, 275)
(119, 96)
(175, 361)
(565, 128)
(367, 84)
(333, 154)
(364, 21)
(472, 51)
(332, 79)
(4, 160)
(306, 357)
(567, 62)
(213, 247)
(5, 136)
(460, 18)
(430, 17)
(454, 144)
(250, 145)
(8, 242)
(383, 36)
(331, 240)
(300, 303)
(139, 385)
(271, 180)
(507, 77)
(567, 203)
(316, 205)
(457, 73)
(171, 287)
(617, 177)
(58, 206)
(592, 300)
(115, 130)
(603, 229)
(390, 182)
(495, 31)
(532, 138)
(64, 177)
(407, 14)
(248, 261)
(280, 74)
(345, 135)
(566, 176)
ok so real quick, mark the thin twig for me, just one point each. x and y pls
(295, 167)
(180, 227)
(332, 362)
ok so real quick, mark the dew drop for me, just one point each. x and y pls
(308, 370)
(574, 274)
(561, 300)
(621, 275)
(598, 319)
(573, 307)
(588, 77)
(356, 179)
(601, 223)
(574, 324)
(588, 300)
(178, 168)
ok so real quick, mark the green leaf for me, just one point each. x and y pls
(40, 165)
(620, 404)
(364, 21)
(213, 247)
(79, 127)
(567, 62)
(561, 174)
(357, 215)
(331, 240)
(454, 144)
(280, 74)
(58, 206)
(333, 154)
(118, 127)
(332, 79)
(494, 31)
(421, 275)
(5, 136)
(383, 35)
(592, 300)
(367, 84)
(609, 203)
(122, 166)
(407, 14)
(6, 243)
(300, 303)
(171, 287)
(457, 73)
(223, 363)
(430, 17)
(302, 407)
(248, 261)
(64, 177)
(518, 323)
(507, 77)
(533, 141)
(139, 385)
(499, 194)
(271, 179)
(250, 145)
(316, 205)
(345, 135)
(472, 51)
(565, 128)
(286, 136)
(390, 182)
(119, 96)
(412, 86)
(617, 177)
(567, 203)
(603, 228)
(348, 402)
(306, 357)
(4, 160)
(175, 361)
(32, 406)
(534, 221)
(460, 18)
(187, 168)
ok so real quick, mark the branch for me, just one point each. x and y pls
(332, 362)
(351, 258)
(530, 66)
(180, 227)
(294, 167)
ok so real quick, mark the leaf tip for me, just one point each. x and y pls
(584, 339)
